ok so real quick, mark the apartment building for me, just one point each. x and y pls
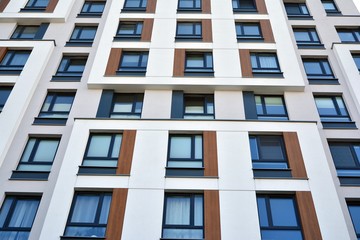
(180, 119)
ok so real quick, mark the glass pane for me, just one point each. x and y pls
(105, 209)
(29, 147)
(292, 9)
(254, 149)
(268, 62)
(325, 106)
(4, 94)
(281, 235)
(99, 146)
(130, 60)
(14, 235)
(329, 6)
(177, 210)
(326, 66)
(123, 107)
(85, 231)
(198, 212)
(269, 165)
(5, 210)
(342, 156)
(46, 105)
(261, 203)
(251, 30)
(100, 163)
(88, 33)
(302, 36)
(185, 28)
(210, 108)
(180, 147)
(41, 3)
(85, 209)
(132, 3)
(208, 58)
(185, 164)
(173, 233)
(46, 151)
(76, 65)
(24, 213)
(259, 106)
(29, 32)
(194, 105)
(195, 61)
(19, 59)
(357, 61)
(274, 105)
(186, 3)
(341, 105)
(127, 29)
(63, 104)
(254, 61)
(198, 29)
(355, 217)
(116, 146)
(32, 167)
(304, 9)
(198, 147)
(144, 60)
(96, 7)
(283, 212)
(314, 36)
(271, 148)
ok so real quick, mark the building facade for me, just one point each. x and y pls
(179, 119)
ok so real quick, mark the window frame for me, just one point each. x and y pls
(240, 9)
(312, 43)
(192, 9)
(206, 99)
(357, 62)
(248, 37)
(193, 35)
(137, 70)
(136, 35)
(88, 13)
(265, 115)
(137, 98)
(21, 29)
(353, 32)
(65, 74)
(300, 7)
(9, 68)
(77, 40)
(139, 8)
(33, 8)
(323, 77)
(335, 11)
(202, 71)
(5, 89)
(261, 71)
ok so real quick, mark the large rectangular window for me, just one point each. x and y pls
(36, 5)
(14, 61)
(189, 5)
(198, 106)
(17, 215)
(71, 68)
(244, 6)
(330, 7)
(297, 10)
(83, 35)
(332, 109)
(265, 64)
(189, 30)
(4, 94)
(354, 210)
(248, 31)
(25, 32)
(135, 5)
(198, 63)
(307, 38)
(349, 35)
(129, 30)
(183, 216)
(318, 71)
(127, 105)
(93, 8)
(270, 107)
(88, 215)
(133, 63)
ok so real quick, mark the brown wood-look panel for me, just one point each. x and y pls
(51, 6)
(113, 62)
(3, 4)
(206, 30)
(151, 6)
(267, 31)
(206, 6)
(210, 154)
(261, 7)
(212, 215)
(309, 222)
(245, 62)
(116, 215)
(179, 63)
(147, 30)
(126, 152)
(293, 152)
(3, 51)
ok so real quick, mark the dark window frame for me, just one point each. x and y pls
(267, 116)
(353, 32)
(263, 71)
(312, 43)
(240, 9)
(87, 12)
(78, 40)
(21, 28)
(137, 31)
(137, 98)
(191, 36)
(248, 37)
(139, 8)
(300, 6)
(5, 89)
(191, 9)
(137, 70)
(8, 68)
(323, 77)
(65, 74)
(206, 70)
(206, 99)
(33, 8)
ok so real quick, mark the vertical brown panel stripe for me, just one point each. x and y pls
(3, 4)
(3, 51)
(309, 222)
(210, 154)
(267, 31)
(293, 152)
(151, 6)
(116, 215)
(51, 6)
(113, 62)
(179, 63)
(245, 63)
(126, 152)
(261, 7)
(206, 30)
(147, 30)
(206, 6)
(212, 215)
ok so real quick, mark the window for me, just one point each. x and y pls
(183, 216)
(25, 32)
(244, 6)
(56, 108)
(248, 31)
(14, 61)
(270, 107)
(199, 106)
(93, 8)
(88, 215)
(264, 63)
(268, 156)
(185, 155)
(297, 10)
(36, 5)
(37, 157)
(188, 30)
(330, 7)
(17, 216)
(318, 69)
(349, 35)
(70, 68)
(197, 63)
(129, 30)
(127, 105)
(83, 35)
(133, 63)
(102, 153)
(4, 94)
(307, 37)
(354, 210)
(356, 58)
(189, 5)
(278, 217)
(135, 5)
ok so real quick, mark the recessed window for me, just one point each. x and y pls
(318, 69)
(297, 10)
(330, 7)
(199, 63)
(244, 6)
(127, 105)
(248, 31)
(185, 155)
(278, 217)
(36, 5)
(14, 61)
(135, 5)
(133, 63)
(25, 32)
(189, 5)
(71, 68)
(307, 37)
(129, 30)
(354, 210)
(349, 35)
(198, 106)
(83, 35)
(356, 58)
(94, 8)
(17, 216)
(188, 30)
(4, 94)
(88, 215)
(183, 216)
(270, 107)
(264, 63)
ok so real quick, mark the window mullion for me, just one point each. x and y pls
(98, 210)
(111, 146)
(33, 151)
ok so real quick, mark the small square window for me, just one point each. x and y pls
(183, 216)
(349, 35)
(189, 5)
(127, 105)
(88, 215)
(318, 71)
(330, 7)
(4, 94)
(17, 215)
(36, 5)
(82, 35)
(354, 210)
(248, 31)
(188, 30)
(356, 58)
(297, 10)
(14, 61)
(265, 64)
(135, 5)
(307, 38)
(102, 153)
(93, 8)
(197, 63)
(25, 32)
(133, 63)
(129, 30)
(270, 107)
(185, 155)
(198, 106)
(71, 68)
(244, 6)
(56, 108)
